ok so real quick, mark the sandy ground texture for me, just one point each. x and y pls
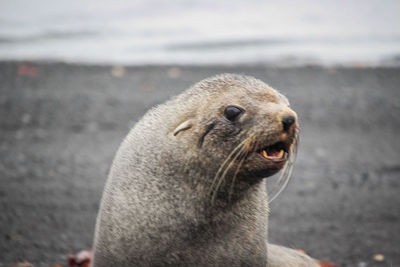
(61, 125)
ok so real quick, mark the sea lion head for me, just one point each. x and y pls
(242, 128)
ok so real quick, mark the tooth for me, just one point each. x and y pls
(280, 155)
(265, 154)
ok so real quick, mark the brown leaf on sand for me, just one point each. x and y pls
(301, 251)
(174, 72)
(23, 264)
(118, 71)
(379, 257)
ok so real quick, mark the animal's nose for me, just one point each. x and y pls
(287, 121)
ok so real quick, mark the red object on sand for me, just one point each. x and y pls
(321, 263)
(27, 70)
(80, 259)
(327, 264)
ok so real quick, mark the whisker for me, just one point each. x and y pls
(286, 179)
(242, 158)
(222, 177)
(234, 179)
(272, 194)
(227, 161)
(286, 174)
(251, 140)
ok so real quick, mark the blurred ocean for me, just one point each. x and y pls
(286, 32)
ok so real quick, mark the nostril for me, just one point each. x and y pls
(288, 121)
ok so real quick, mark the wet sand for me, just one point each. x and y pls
(61, 125)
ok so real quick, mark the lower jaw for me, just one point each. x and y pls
(253, 173)
(268, 167)
(268, 173)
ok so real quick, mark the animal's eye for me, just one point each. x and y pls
(232, 112)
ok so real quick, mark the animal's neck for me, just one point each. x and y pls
(206, 197)
(243, 196)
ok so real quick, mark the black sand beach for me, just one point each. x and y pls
(60, 126)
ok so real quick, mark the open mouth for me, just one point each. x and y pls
(275, 152)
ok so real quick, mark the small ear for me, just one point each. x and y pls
(183, 126)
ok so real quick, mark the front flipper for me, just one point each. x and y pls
(279, 256)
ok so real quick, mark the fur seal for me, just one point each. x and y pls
(187, 187)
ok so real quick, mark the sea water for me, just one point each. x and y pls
(285, 32)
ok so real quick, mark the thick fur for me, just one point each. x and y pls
(156, 208)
